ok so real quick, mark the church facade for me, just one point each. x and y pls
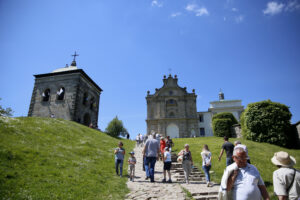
(67, 93)
(171, 110)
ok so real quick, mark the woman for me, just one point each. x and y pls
(187, 162)
(206, 163)
(119, 158)
(162, 147)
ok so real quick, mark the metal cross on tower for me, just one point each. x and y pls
(75, 56)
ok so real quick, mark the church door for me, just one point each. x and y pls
(173, 131)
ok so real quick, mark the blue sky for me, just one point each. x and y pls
(250, 49)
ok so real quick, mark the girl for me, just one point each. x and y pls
(206, 163)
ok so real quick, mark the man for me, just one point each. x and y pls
(137, 139)
(239, 144)
(286, 179)
(245, 182)
(169, 143)
(228, 147)
(151, 153)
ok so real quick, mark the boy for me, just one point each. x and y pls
(167, 165)
(131, 162)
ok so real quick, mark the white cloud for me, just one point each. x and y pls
(202, 11)
(292, 5)
(198, 11)
(239, 19)
(176, 14)
(234, 9)
(273, 8)
(156, 3)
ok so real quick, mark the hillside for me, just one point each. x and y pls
(43, 158)
(260, 156)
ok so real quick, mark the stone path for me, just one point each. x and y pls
(143, 189)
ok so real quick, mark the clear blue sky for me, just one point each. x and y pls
(250, 49)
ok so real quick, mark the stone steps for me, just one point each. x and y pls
(210, 197)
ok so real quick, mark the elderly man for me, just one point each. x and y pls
(237, 144)
(151, 153)
(244, 181)
(286, 179)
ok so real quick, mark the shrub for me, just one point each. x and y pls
(222, 123)
(115, 128)
(266, 121)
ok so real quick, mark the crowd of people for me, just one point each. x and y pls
(240, 181)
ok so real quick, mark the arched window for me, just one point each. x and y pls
(85, 98)
(46, 95)
(92, 103)
(171, 102)
(171, 114)
(61, 93)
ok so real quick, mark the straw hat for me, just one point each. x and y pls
(283, 159)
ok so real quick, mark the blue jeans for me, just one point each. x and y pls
(206, 172)
(117, 164)
(150, 170)
(229, 161)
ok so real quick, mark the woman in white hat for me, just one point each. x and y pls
(286, 179)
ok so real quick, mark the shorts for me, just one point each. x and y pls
(167, 166)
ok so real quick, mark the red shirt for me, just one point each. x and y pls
(162, 145)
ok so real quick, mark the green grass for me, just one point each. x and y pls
(260, 156)
(43, 158)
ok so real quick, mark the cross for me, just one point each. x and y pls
(75, 55)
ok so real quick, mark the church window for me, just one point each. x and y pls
(171, 92)
(201, 119)
(92, 103)
(61, 93)
(171, 115)
(202, 132)
(46, 95)
(171, 102)
(85, 98)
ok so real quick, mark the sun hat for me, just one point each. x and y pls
(131, 152)
(283, 159)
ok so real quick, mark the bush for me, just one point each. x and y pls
(222, 123)
(116, 128)
(5, 112)
(267, 121)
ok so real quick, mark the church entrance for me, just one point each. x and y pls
(86, 119)
(173, 131)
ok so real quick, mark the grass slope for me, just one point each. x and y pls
(43, 158)
(260, 156)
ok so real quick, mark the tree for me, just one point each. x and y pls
(116, 128)
(222, 123)
(5, 112)
(267, 121)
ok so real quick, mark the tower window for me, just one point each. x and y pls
(61, 93)
(85, 98)
(202, 132)
(46, 95)
(201, 119)
(92, 103)
(171, 102)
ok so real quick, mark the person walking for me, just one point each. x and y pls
(167, 164)
(187, 162)
(131, 163)
(286, 179)
(162, 147)
(206, 163)
(137, 139)
(228, 147)
(119, 158)
(151, 153)
(169, 143)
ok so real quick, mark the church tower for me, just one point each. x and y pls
(171, 110)
(67, 93)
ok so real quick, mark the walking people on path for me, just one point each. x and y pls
(119, 158)
(206, 163)
(131, 164)
(228, 147)
(187, 162)
(151, 152)
(167, 165)
(141, 140)
(286, 179)
(242, 180)
(162, 147)
(137, 139)
(238, 143)
(169, 143)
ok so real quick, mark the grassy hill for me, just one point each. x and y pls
(260, 156)
(43, 158)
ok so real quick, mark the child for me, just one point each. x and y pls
(132, 162)
(167, 164)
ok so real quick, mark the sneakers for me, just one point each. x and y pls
(169, 181)
(209, 184)
(164, 180)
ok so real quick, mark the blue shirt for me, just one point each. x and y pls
(246, 184)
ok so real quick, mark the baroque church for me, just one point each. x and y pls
(171, 111)
(67, 93)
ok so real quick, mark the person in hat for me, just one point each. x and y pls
(131, 163)
(286, 179)
(167, 164)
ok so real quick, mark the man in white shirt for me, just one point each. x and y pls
(286, 179)
(239, 144)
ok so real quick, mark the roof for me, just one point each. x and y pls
(70, 71)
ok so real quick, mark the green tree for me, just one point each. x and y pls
(5, 112)
(222, 123)
(116, 128)
(267, 121)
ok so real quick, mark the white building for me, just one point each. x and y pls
(205, 118)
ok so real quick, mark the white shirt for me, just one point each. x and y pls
(206, 155)
(282, 178)
(168, 156)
